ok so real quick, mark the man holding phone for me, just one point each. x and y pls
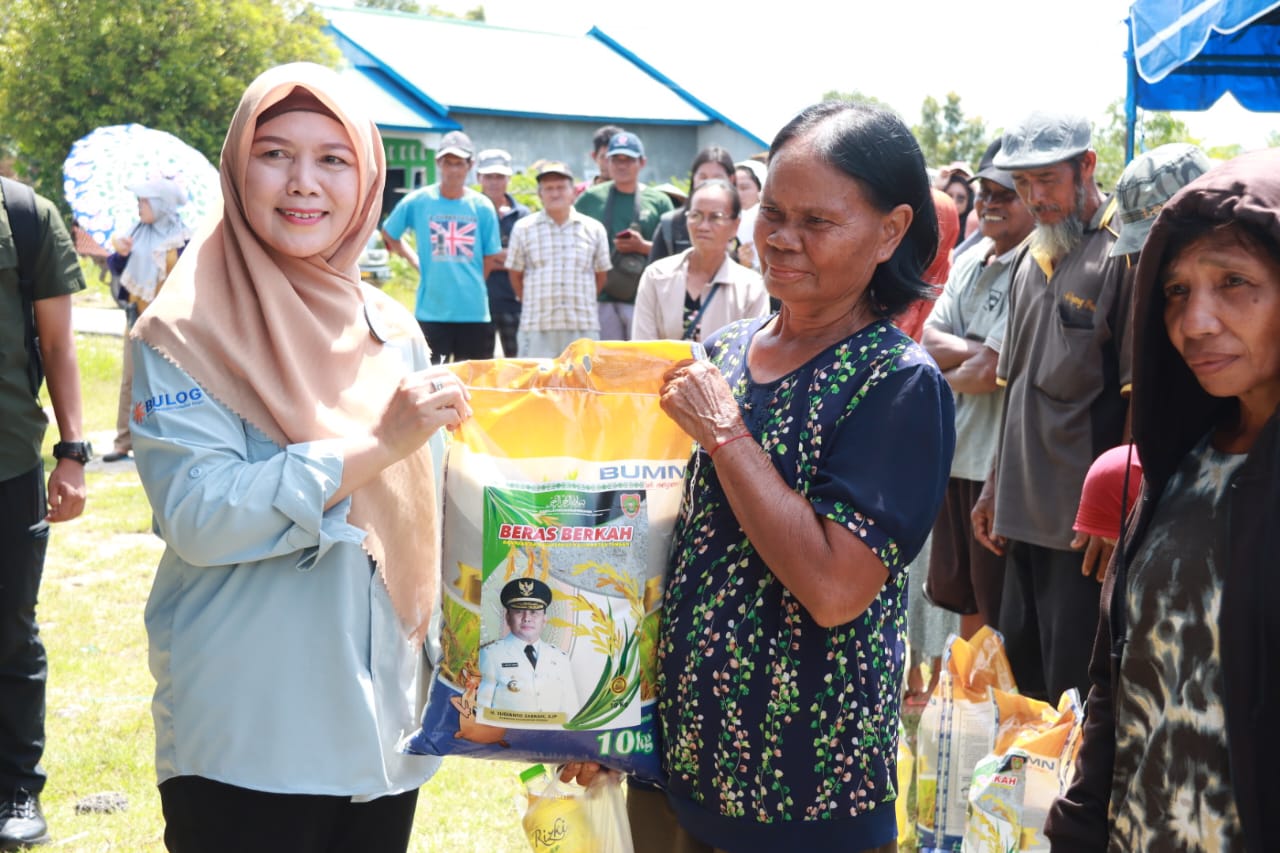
(630, 212)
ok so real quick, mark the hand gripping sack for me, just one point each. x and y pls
(560, 496)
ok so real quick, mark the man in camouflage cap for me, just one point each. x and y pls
(520, 672)
(1065, 364)
(1147, 183)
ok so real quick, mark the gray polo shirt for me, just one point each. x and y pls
(974, 305)
(1065, 360)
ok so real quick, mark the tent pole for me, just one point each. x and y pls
(1131, 91)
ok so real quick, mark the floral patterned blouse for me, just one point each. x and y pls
(781, 734)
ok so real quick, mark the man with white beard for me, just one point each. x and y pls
(1065, 364)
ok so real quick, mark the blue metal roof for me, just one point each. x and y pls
(390, 105)
(448, 64)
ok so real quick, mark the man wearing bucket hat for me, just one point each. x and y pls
(494, 168)
(960, 333)
(520, 672)
(558, 260)
(1147, 183)
(1065, 363)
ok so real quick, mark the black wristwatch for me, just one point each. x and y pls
(80, 451)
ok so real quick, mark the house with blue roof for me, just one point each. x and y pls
(539, 95)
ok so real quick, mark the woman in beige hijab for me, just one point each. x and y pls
(284, 417)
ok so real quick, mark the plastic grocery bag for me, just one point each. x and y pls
(563, 817)
(560, 497)
(957, 729)
(1030, 766)
(906, 771)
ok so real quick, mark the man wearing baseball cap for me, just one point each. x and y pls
(494, 168)
(458, 242)
(558, 260)
(629, 212)
(1065, 363)
(520, 672)
(962, 333)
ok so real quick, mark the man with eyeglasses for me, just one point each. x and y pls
(963, 334)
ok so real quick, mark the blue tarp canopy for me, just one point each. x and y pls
(1186, 54)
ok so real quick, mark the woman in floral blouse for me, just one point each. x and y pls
(825, 436)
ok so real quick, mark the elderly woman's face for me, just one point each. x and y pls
(711, 221)
(302, 184)
(1222, 313)
(818, 233)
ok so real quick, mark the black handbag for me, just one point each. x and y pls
(623, 279)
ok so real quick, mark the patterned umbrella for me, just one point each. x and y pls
(102, 166)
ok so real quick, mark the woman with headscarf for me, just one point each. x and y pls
(1177, 752)
(283, 418)
(748, 177)
(141, 262)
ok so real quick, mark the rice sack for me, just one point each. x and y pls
(560, 496)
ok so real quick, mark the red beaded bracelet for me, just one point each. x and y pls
(730, 440)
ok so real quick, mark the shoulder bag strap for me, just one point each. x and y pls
(697, 318)
(20, 205)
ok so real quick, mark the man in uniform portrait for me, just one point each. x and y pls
(520, 672)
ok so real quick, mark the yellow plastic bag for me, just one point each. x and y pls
(561, 817)
(563, 489)
(906, 773)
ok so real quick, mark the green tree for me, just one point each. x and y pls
(1227, 152)
(69, 66)
(1152, 129)
(391, 5)
(945, 135)
(857, 96)
(413, 7)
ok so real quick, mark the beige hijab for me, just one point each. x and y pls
(284, 343)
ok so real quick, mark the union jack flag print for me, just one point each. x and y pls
(452, 239)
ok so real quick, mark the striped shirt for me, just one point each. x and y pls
(559, 263)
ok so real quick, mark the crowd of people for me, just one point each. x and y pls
(609, 259)
(919, 392)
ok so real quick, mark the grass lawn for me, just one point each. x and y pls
(99, 731)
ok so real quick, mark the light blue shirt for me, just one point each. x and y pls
(280, 664)
(454, 235)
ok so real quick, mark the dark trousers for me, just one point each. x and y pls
(507, 325)
(24, 535)
(203, 816)
(458, 341)
(1048, 616)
